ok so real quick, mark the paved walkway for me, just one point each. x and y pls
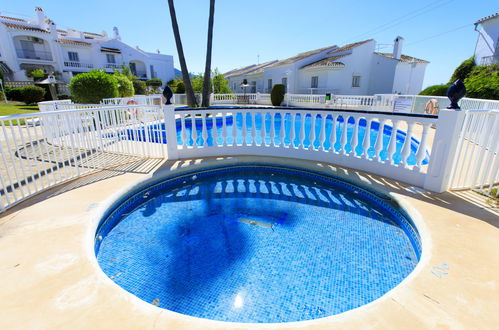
(50, 278)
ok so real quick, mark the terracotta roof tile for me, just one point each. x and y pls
(14, 19)
(73, 42)
(403, 58)
(486, 18)
(301, 56)
(253, 68)
(24, 27)
(349, 46)
(326, 62)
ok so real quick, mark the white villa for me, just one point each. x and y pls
(37, 43)
(487, 45)
(353, 69)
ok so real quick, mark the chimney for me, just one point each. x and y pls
(397, 47)
(53, 30)
(116, 33)
(40, 17)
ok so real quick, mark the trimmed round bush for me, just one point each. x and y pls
(32, 94)
(125, 86)
(154, 82)
(64, 97)
(179, 88)
(277, 94)
(139, 87)
(435, 90)
(93, 86)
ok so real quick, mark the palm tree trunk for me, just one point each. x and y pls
(191, 99)
(207, 68)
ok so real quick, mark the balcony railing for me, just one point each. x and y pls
(111, 66)
(488, 60)
(73, 64)
(34, 54)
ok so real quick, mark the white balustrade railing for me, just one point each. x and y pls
(346, 138)
(39, 151)
(476, 163)
(75, 64)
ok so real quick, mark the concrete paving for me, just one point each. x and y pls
(51, 279)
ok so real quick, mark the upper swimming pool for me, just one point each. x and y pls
(256, 243)
(156, 133)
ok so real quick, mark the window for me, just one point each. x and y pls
(355, 81)
(314, 82)
(153, 74)
(110, 58)
(73, 57)
(133, 68)
(269, 84)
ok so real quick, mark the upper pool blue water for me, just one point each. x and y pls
(255, 244)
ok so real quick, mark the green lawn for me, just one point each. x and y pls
(15, 108)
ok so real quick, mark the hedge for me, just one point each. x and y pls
(32, 94)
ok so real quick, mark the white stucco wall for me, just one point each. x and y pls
(408, 78)
(382, 75)
(487, 43)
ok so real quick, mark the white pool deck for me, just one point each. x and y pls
(50, 278)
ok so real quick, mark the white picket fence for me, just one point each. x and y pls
(477, 158)
(153, 99)
(40, 151)
(377, 102)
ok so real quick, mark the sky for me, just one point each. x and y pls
(252, 31)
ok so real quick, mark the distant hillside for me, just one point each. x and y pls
(178, 73)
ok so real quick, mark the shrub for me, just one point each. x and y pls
(125, 86)
(139, 87)
(32, 94)
(483, 82)
(436, 90)
(64, 97)
(154, 82)
(14, 94)
(93, 86)
(463, 70)
(36, 74)
(179, 88)
(277, 94)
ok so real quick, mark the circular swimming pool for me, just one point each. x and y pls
(256, 243)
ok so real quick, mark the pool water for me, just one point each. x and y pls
(257, 244)
(157, 134)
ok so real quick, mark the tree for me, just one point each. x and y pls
(207, 67)
(463, 70)
(220, 84)
(191, 99)
(483, 82)
(435, 90)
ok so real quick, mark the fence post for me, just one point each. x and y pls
(443, 152)
(171, 131)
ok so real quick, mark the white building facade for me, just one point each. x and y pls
(353, 69)
(38, 44)
(487, 45)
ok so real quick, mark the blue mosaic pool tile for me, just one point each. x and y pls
(332, 247)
